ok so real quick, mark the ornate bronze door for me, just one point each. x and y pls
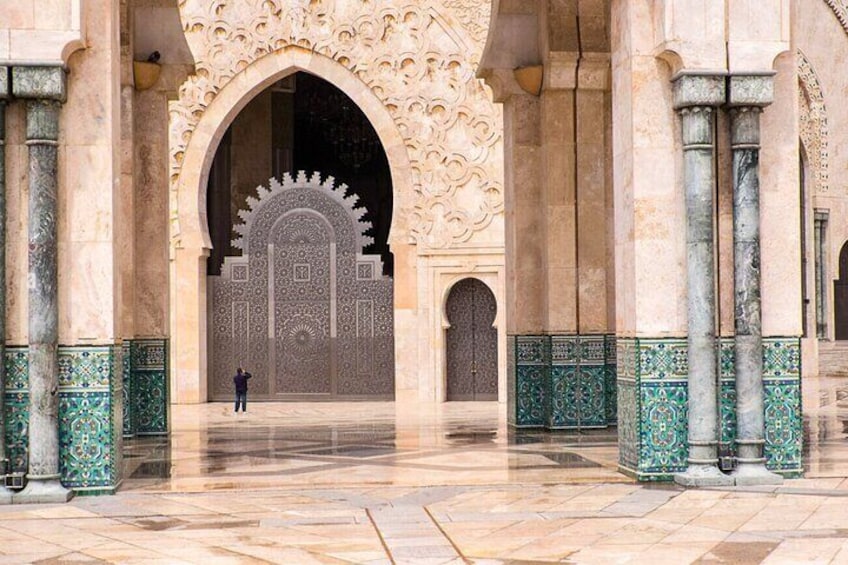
(472, 342)
(303, 309)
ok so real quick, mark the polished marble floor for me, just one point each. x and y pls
(360, 444)
(375, 483)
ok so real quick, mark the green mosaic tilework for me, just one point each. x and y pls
(128, 420)
(532, 375)
(663, 430)
(629, 408)
(727, 428)
(17, 407)
(561, 410)
(663, 359)
(89, 412)
(149, 386)
(610, 395)
(653, 405)
(784, 421)
(784, 432)
(511, 394)
(662, 381)
(88, 456)
(116, 391)
(561, 382)
(591, 403)
(591, 385)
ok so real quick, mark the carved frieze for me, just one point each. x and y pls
(415, 58)
(813, 122)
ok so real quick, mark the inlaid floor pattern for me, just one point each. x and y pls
(376, 484)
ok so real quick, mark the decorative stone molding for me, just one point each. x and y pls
(417, 64)
(840, 9)
(813, 122)
(695, 89)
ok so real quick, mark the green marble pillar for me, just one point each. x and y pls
(747, 96)
(44, 91)
(695, 98)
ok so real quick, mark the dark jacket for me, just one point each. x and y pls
(240, 380)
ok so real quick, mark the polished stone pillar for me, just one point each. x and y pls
(44, 91)
(696, 97)
(5, 494)
(747, 97)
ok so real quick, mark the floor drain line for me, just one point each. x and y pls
(380, 535)
(446, 536)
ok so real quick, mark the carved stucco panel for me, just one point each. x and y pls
(813, 122)
(840, 8)
(414, 56)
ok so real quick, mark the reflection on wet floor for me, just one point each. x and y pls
(278, 445)
(825, 407)
(358, 444)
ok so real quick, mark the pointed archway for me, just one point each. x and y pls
(190, 237)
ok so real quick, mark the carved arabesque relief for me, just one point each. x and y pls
(419, 65)
(813, 122)
(840, 8)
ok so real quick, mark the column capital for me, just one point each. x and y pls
(755, 89)
(45, 83)
(698, 89)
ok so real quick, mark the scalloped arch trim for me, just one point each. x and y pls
(326, 187)
(840, 9)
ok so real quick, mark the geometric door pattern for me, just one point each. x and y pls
(303, 309)
(472, 342)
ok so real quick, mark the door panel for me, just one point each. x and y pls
(304, 309)
(472, 342)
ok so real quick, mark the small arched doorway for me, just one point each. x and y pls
(840, 296)
(472, 342)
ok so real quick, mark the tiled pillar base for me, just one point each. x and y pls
(148, 388)
(90, 416)
(561, 382)
(652, 404)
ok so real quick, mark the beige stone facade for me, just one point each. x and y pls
(566, 202)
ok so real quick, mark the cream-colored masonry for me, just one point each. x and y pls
(410, 67)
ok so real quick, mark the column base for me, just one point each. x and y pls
(755, 474)
(703, 476)
(43, 492)
(5, 496)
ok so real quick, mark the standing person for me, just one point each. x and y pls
(240, 380)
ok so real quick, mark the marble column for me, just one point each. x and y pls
(696, 97)
(5, 494)
(746, 97)
(44, 91)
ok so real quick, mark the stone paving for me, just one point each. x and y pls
(804, 521)
(375, 484)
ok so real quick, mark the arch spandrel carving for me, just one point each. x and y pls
(412, 56)
(813, 125)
